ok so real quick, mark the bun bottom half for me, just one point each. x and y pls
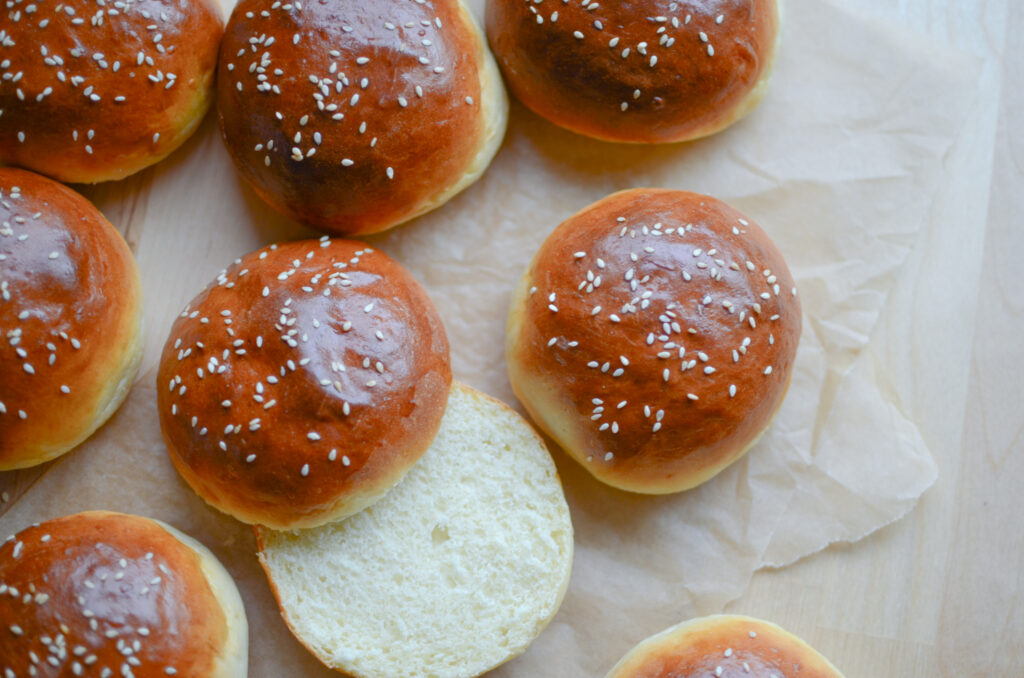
(453, 572)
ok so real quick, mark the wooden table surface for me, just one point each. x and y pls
(941, 592)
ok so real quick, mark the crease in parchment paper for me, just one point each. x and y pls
(840, 164)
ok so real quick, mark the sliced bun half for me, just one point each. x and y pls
(455, 571)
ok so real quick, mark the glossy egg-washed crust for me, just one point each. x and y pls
(642, 71)
(724, 646)
(70, 319)
(354, 116)
(93, 593)
(653, 337)
(303, 383)
(93, 91)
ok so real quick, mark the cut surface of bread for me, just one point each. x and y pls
(455, 571)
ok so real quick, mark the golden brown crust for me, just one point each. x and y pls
(105, 590)
(725, 646)
(647, 71)
(70, 318)
(303, 383)
(357, 126)
(77, 104)
(654, 336)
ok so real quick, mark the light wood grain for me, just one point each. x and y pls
(941, 593)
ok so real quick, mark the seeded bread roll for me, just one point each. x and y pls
(355, 116)
(70, 319)
(109, 594)
(454, 572)
(653, 337)
(303, 383)
(651, 71)
(725, 646)
(93, 91)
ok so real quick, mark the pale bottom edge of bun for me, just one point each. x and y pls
(233, 660)
(453, 573)
(540, 403)
(111, 398)
(264, 515)
(494, 107)
(694, 480)
(273, 512)
(703, 627)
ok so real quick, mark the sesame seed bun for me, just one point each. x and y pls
(93, 92)
(454, 572)
(653, 336)
(70, 319)
(109, 594)
(724, 646)
(640, 72)
(352, 116)
(303, 383)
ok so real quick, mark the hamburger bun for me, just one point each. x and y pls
(70, 319)
(97, 91)
(302, 383)
(353, 117)
(653, 337)
(640, 72)
(724, 646)
(109, 594)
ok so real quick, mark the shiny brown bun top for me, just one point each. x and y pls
(70, 318)
(93, 90)
(647, 71)
(107, 594)
(353, 116)
(303, 383)
(724, 646)
(653, 337)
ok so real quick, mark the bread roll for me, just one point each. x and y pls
(724, 646)
(641, 72)
(453, 572)
(653, 337)
(108, 594)
(70, 319)
(97, 91)
(355, 116)
(303, 383)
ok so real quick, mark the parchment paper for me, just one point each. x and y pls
(841, 165)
